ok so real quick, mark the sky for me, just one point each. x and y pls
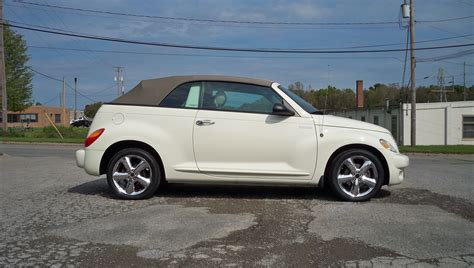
(95, 73)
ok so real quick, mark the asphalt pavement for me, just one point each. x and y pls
(53, 214)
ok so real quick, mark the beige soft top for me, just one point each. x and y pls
(153, 91)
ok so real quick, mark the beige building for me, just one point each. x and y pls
(438, 123)
(37, 116)
(441, 123)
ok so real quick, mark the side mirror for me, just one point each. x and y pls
(280, 109)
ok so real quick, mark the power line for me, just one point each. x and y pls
(230, 21)
(55, 18)
(200, 24)
(260, 50)
(213, 55)
(60, 80)
(80, 93)
(457, 63)
(40, 37)
(203, 20)
(50, 100)
(96, 93)
(328, 48)
(322, 48)
(447, 57)
(444, 20)
(45, 75)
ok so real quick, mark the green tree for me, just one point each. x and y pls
(337, 99)
(18, 76)
(377, 95)
(91, 109)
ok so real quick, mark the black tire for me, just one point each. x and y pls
(155, 174)
(339, 166)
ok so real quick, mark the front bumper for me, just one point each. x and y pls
(397, 164)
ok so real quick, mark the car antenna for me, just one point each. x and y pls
(324, 110)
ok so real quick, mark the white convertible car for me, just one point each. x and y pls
(220, 129)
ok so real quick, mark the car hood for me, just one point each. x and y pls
(341, 122)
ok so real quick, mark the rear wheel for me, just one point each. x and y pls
(133, 173)
(356, 175)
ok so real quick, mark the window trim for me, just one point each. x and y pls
(187, 108)
(287, 105)
(230, 82)
(462, 128)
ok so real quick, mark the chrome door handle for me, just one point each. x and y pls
(204, 122)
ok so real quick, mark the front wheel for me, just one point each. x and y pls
(133, 173)
(356, 175)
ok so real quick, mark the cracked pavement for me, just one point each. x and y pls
(53, 214)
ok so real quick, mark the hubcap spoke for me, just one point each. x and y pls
(143, 181)
(365, 167)
(129, 176)
(345, 178)
(127, 163)
(140, 167)
(363, 176)
(355, 189)
(120, 176)
(350, 165)
(130, 187)
(368, 181)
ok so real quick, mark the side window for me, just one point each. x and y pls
(184, 96)
(376, 119)
(238, 97)
(467, 127)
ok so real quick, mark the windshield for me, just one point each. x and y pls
(300, 101)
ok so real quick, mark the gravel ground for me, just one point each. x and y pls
(53, 214)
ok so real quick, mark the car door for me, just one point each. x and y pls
(236, 136)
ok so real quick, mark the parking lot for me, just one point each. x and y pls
(52, 213)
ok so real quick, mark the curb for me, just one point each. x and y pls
(436, 154)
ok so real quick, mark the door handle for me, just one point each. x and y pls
(204, 122)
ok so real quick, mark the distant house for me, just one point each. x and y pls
(37, 116)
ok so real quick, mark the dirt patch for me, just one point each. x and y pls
(411, 196)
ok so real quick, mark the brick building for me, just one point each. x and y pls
(36, 116)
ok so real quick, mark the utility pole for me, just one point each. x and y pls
(119, 79)
(464, 84)
(3, 81)
(63, 101)
(75, 98)
(441, 84)
(412, 75)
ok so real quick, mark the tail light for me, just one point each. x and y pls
(93, 137)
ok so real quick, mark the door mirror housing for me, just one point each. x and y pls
(280, 109)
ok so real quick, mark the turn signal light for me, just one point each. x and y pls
(93, 137)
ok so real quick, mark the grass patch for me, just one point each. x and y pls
(42, 140)
(439, 149)
(46, 134)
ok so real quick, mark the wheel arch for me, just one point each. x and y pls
(369, 148)
(116, 147)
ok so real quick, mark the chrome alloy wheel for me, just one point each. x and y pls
(357, 176)
(132, 175)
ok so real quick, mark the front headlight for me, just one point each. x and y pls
(387, 145)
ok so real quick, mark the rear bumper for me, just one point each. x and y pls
(89, 160)
(397, 164)
(80, 156)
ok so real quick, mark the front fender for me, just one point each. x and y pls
(334, 138)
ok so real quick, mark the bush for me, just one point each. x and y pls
(16, 132)
(48, 132)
